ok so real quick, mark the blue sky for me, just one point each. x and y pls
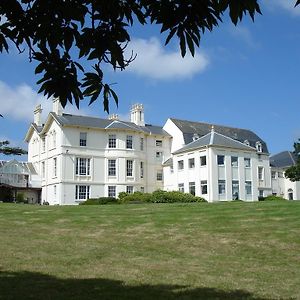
(245, 76)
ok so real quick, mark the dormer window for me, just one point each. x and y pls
(258, 146)
(195, 137)
(246, 142)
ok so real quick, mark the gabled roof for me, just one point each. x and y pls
(168, 162)
(93, 122)
(214, 138)
(189, 129)
(283, 159)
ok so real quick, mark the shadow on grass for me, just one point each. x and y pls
(28, 285)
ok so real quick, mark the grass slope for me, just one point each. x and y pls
(153, 251)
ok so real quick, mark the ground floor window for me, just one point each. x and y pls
(192, 188)
(221, 187)
(181, 187)
(112, 191)
(235, 189)
(82, 192)
(248, 187)
(129, 189)
(203, 185)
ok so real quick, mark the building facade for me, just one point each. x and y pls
(80, 157)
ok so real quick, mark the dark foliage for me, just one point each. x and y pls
(100, 201)
(62, 34)
(293, 172)
(4, 149)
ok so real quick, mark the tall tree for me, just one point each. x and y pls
(62, 34)
(293, 172)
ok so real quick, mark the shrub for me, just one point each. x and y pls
(20, 198)
(161, 196)
(122, 195)
(100, 201)
(273, 198)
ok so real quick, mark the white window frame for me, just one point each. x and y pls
(129, 168)
(192, 188)
(129, 189)
(234, 161)
(248, 187)
(203, 160)
(222, 162)
(83, 139)
(142, 144)
(112, 167)
(129, 142)
(181, 187)
(180, 164)
(191, 163)
(247, 162)
(141, 169)
(54, 166)
(159, 175)
(82, 192)
(204, 187)
(112, 191)
(222, 187)
(83, 166)
(112, 141)
(158, 143)
(260, 173)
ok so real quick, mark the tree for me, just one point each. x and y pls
(4, 149)
(61, 35)
(293, 172)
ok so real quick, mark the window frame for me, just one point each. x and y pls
(191, 163)
(111, 167)
(129, 142)
(80, 194)
(180, 164)
(112, 141)
(112, 191)
(221, 186)
(222, 161)
(83, 166)
(129, 168)
(247, 159)
(203, 187)
(203, 159)
(82, 139)
(192, 188)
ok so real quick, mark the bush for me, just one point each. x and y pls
(161, 196)
(100, 201)
(272, 198)
(20, 198)
(122, 195)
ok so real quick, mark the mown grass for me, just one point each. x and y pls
(151, 251)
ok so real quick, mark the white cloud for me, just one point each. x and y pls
(243, 34)
(156, 62)
(288, 5)
(19, 102)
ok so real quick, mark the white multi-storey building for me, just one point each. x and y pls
(215, 162)
(80, 157)
(282, 186)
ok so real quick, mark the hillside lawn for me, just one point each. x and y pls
(151, 251)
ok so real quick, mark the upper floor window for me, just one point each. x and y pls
(159, 175)
(43, 144)
(203, 160)
(260, 173)
(180, 165)
(191, 163)
(129, 167)
(142, 144)
(158, 154)
(83, 139)
(112, 141)
(273, 174)
(221, 160)
(54, 138)
(280, 175)
(129, 142)
(258, 146)
(111, 167)
(142, 169)
(158, 143)
(82, 166)
(234, 161)
(43, 170)
(54, 167)
(247, 162)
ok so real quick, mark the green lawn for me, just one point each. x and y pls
(151, 251)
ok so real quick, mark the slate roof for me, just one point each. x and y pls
(93, 122)
(168, 162)
(216, 139)
(189, 129)
(283, 159)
